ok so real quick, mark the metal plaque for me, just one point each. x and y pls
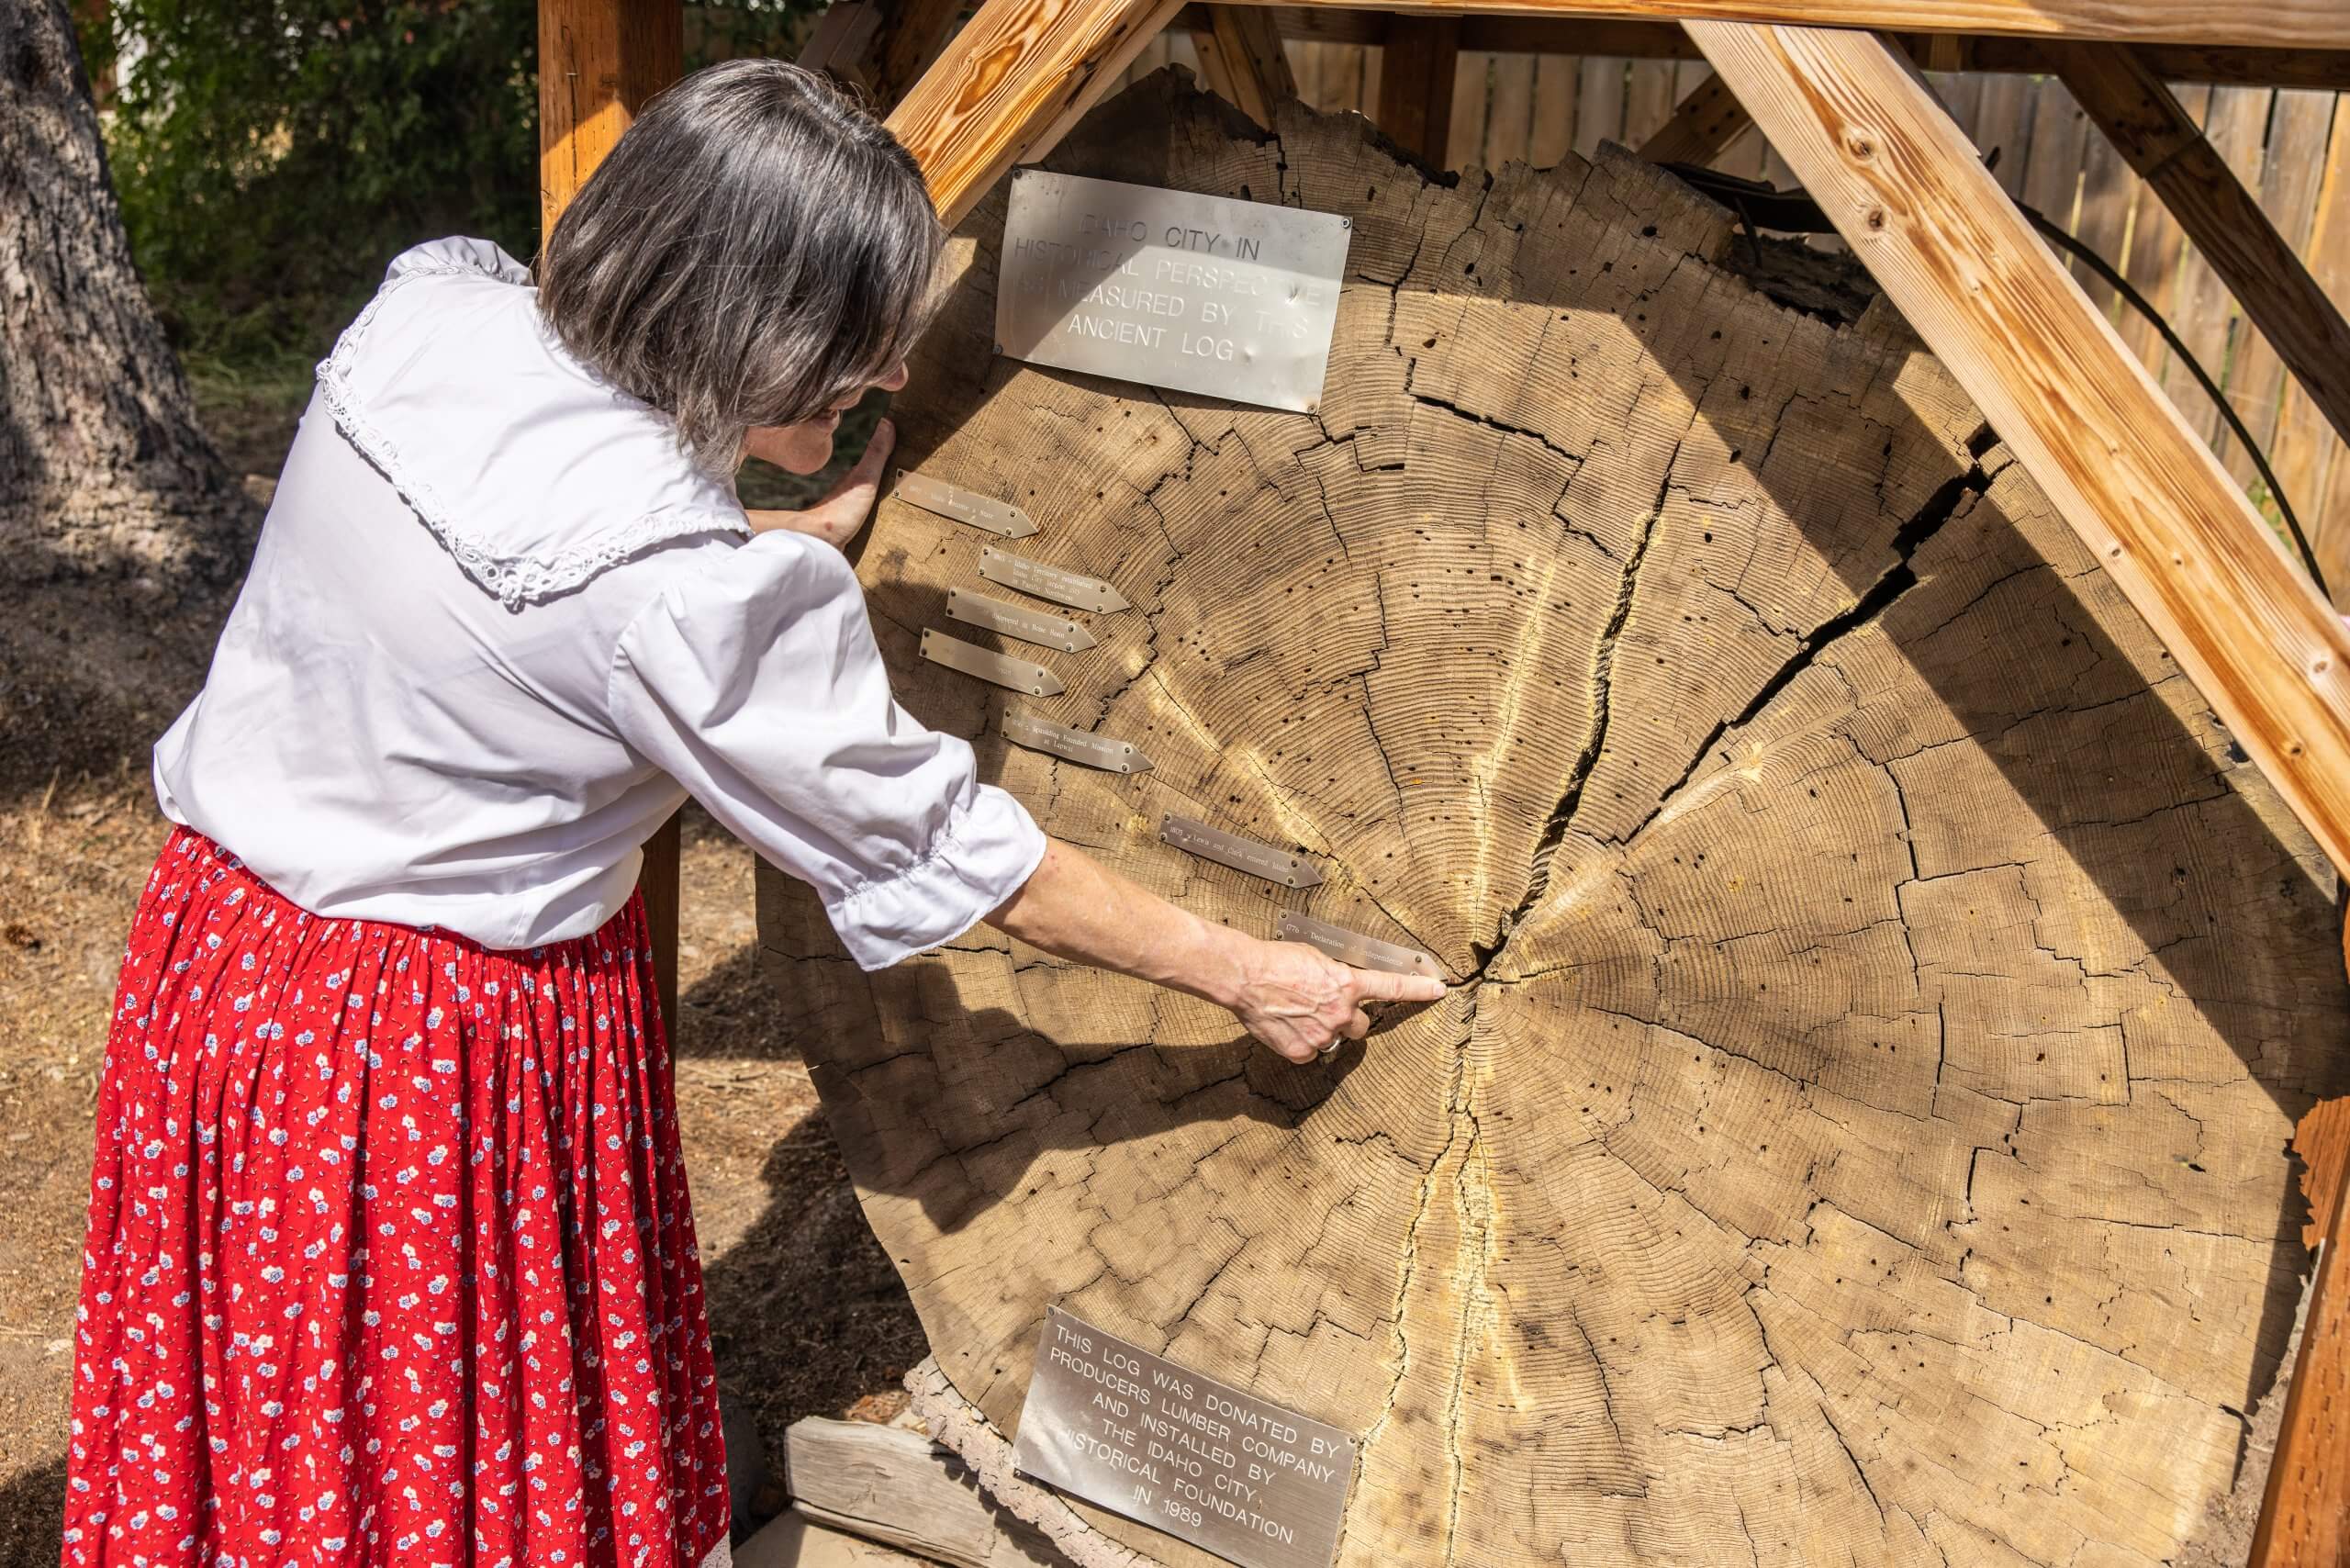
(965, 506)
(1240, 853)
(1073, 589)
(1204, 294)
(1203, 1461)
(1354, 947)
(1004, 670)
(1075, 745)
(1028, 625)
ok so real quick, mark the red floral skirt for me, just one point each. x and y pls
(389, 1256)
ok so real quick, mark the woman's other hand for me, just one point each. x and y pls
(845, 507)
(1286, 994)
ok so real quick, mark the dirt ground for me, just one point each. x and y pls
(807, 1315)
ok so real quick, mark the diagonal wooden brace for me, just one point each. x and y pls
(2159, 140)
(1904, 187)
(1018, 77)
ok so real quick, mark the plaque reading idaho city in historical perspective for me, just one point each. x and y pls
(1202, 294)
(1222, 1469)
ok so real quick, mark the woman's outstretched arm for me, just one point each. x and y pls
(1286, 994)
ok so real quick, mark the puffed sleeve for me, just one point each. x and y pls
(757, 686)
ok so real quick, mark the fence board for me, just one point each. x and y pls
(2238, 120)
(1509, 124)
(2108, 191)
(1558, 88)
(2157, 249)
(2313, 466)
(1472, 96)
(1599, 113)
(2291, 166)
(2051, 174)
(1648, 99)
(2003, 127)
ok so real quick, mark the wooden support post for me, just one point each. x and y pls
(1703, 125)
(599, 62)
(2305, 1513)
(880, 47)
(1016, 78)
(1904, 187)
(1241, 54)
(1416, 69)
(2168, 149)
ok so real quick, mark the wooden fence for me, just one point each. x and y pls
(2291, 146)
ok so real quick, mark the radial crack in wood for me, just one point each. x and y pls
(1881, 996)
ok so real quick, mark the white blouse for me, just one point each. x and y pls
(498, 627)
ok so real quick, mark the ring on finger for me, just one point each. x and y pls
(1332, 1048)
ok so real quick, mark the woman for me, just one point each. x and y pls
(389, 1253)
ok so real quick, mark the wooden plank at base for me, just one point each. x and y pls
(1904, 187)
(794, 1541)
(1013, 83)
(1415, 85)
(899, 1488)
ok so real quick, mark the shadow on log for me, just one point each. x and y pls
(1881, 996)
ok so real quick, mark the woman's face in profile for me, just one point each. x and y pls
(807, 446)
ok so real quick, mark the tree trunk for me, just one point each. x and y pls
(1880, 997)
(102, 462)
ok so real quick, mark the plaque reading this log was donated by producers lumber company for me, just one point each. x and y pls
(1202, 294)
(1134, 1432)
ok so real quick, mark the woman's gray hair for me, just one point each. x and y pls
(754, 249)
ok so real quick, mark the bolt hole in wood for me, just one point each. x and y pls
(1874, 869)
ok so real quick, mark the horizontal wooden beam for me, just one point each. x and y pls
(1014, 81)
(2174, 533)
(1543, 31)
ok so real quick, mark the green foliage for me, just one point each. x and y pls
(272, 155)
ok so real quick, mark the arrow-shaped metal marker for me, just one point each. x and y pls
(965, 506)
(1074, 588)
(1354, 947)
(1240, 853)
(1001, 669)
(1028, 625)
(1074, 746)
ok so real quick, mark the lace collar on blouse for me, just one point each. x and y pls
(533, 474)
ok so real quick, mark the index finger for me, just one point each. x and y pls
(1378, 985)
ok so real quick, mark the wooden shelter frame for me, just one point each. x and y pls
(1835, 85)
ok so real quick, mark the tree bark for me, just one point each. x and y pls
(102, 462)
(1882, 995)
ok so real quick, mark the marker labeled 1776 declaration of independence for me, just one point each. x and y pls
(1148, 1437)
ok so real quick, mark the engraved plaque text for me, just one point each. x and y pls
(1216, 1466)
(1204, 294)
